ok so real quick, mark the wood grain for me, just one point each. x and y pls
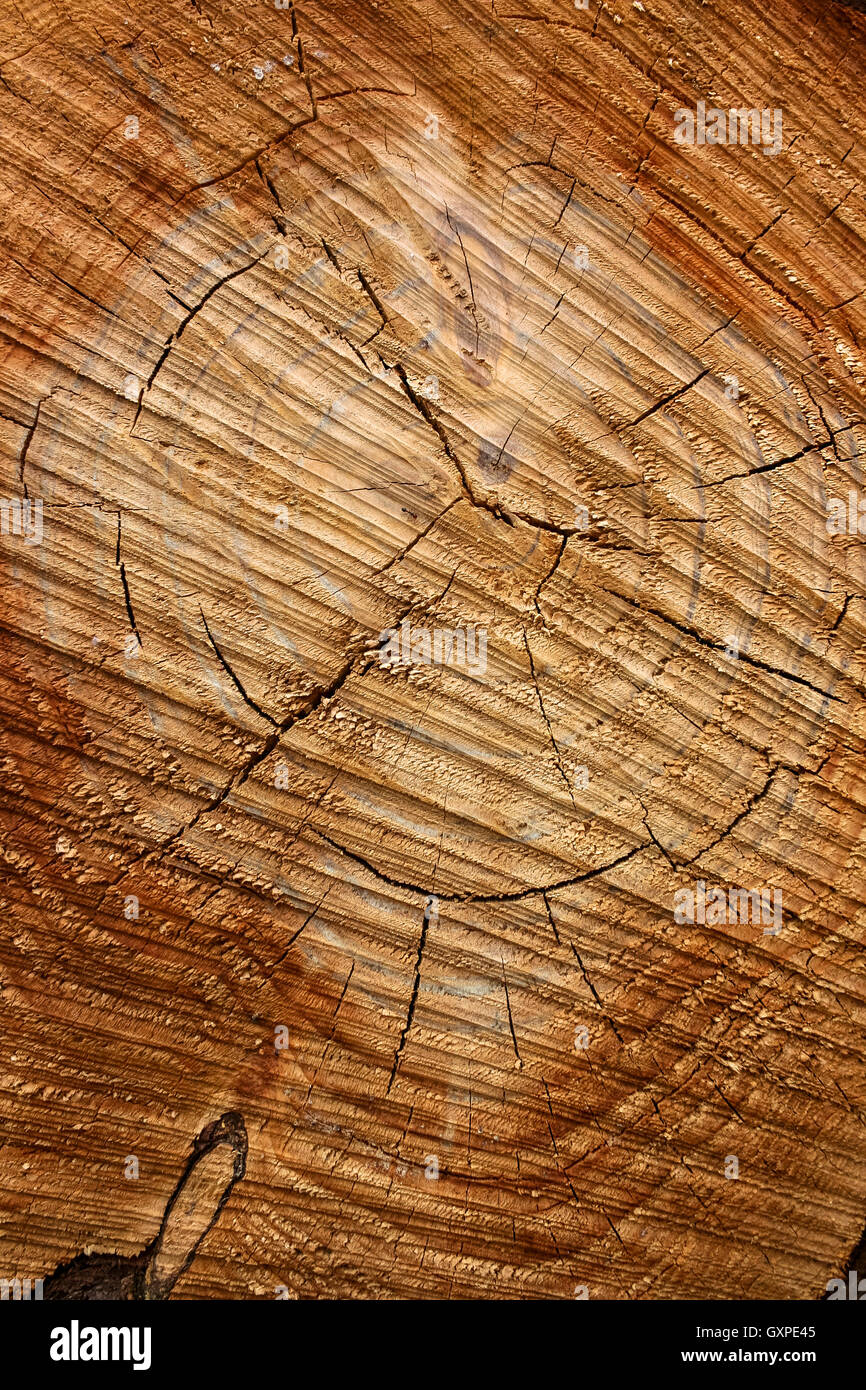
(287, 373)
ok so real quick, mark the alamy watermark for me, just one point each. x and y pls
(715, 906)
(855, 1290)
(847, 519)
(21, 1290)
(457, 646)
(21, 517)
(739, 126)
(76, 1343)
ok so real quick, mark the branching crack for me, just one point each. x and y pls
(250, 158)
(510, 1015)
(594, 992)
(778, 463)
(124, 581)
(666, 400)
(843, 612)
(128, 602)
(722, 647)
(332, 257)
(546, 578)
(498, 510)
(517, 896)
(728, 1103)
(401, 554)
(495, 509)
(474, 309)
(31, 430)
(279, 222)
(26, 445)
(551, 918)
(373, 297)
(263, 714)
(178, 332)
(430, 908)
(360, 662)
(656, 841)
(368, 291)
(555, 745)
(747, 809)
(299, 44)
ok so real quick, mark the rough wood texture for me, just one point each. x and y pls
(286, 371)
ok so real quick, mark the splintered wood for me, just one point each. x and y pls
(433, 611)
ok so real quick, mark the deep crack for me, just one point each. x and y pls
(430, 907)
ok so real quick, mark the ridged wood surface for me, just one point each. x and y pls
(287, 373)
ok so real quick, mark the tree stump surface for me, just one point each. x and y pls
(331, 333)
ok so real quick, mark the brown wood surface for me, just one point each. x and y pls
(286, 372)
